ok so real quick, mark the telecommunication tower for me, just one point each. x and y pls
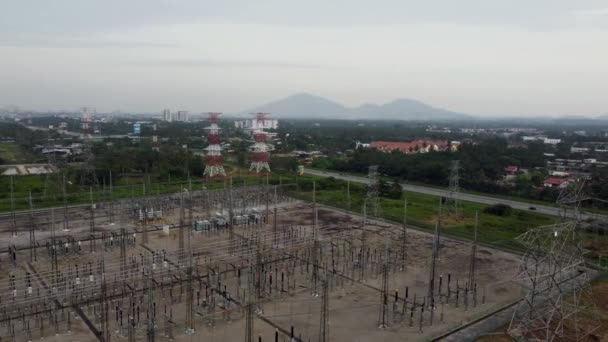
(214, 161)
(260, 155)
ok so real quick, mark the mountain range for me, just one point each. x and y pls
(308, 106)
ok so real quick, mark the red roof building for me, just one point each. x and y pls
(555, 182)
(511, 169)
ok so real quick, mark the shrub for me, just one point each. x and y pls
(499, 210)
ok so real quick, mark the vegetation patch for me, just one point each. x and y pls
(499, 210)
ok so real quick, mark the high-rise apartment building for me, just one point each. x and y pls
(167, 115)
(181, 115)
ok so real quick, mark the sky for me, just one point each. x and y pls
(482, 57)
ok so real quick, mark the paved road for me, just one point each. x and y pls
(463, 196)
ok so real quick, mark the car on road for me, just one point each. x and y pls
(532, 208)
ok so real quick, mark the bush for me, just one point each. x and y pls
(329, 183)
(499, 210)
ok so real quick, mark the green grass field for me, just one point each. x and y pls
(422, 211)
(12, 153)
(52, 194)
(499, 196)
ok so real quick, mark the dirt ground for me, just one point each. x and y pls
(351, 258)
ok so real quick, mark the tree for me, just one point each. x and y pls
(562, 150)
(499, 210)
(241, 159)
(389, 191)
(396, 192)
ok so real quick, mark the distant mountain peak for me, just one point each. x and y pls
(309, 106)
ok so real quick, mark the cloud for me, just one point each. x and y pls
(595, 12)
(222, 63)
(77, 43)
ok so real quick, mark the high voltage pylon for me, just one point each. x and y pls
(371, 206)
(88, 178)
(214, 161)
(52, 181)
(557, 305)
(452, 202)
(570, 199)
(260, 151)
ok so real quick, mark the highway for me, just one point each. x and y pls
(544, 209)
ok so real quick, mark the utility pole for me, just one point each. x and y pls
(316, 247)
(324, 322)
(189, 275)
(91, 212)
(182, 223)
(384, 294)
(348, 201)
(65, 205)
(473, 253)
(150, 333)
(32, 225)
(404, 237)
(13, 216)
(435, 255)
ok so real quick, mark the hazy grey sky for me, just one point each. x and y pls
(486, 57)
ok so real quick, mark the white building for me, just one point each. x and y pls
(254, 124)
(361, 145)
(182, 116)
(552, 141)
(575, 149)
(167, 115)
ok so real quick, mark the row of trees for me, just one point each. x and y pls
(126, 158)
(482, 166)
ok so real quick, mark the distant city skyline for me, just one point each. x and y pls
(484, 58)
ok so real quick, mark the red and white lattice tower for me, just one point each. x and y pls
(155, 139)
(85, 123)
(214, 161)
(260, 155)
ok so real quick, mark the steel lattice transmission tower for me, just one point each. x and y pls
(556, 307)
(88, 178)
(372, 200)
(53, 179)
(260, 155)
(214, 161)
(570, 199)
(452, 202)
